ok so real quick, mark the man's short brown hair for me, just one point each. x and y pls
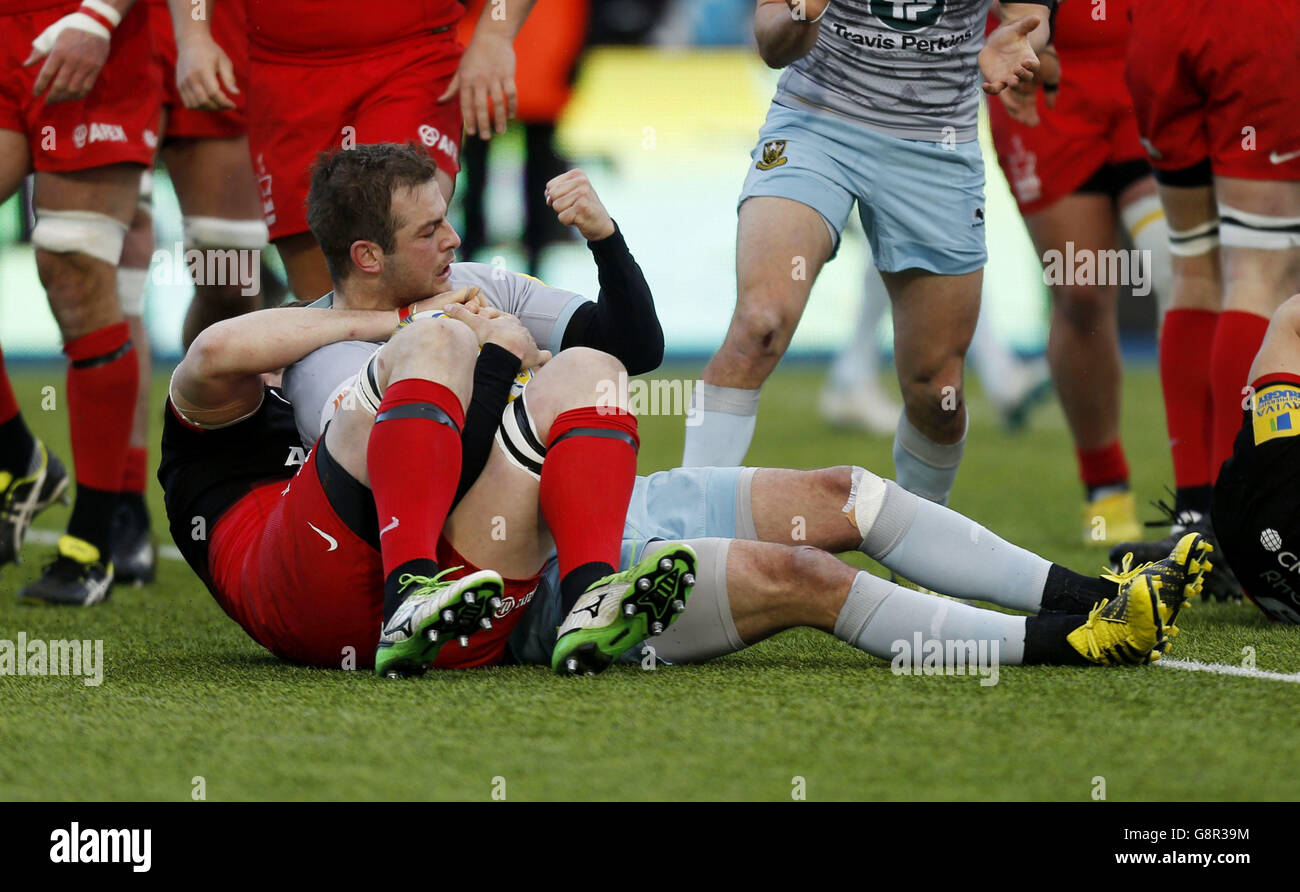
(351, 197)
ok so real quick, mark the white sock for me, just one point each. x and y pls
(1145, 221)
(923, 466)
(945, 551)
(858, 364)
(720, 426)
(879, 616)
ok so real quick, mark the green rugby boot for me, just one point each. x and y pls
(436, 611)
(621, 610)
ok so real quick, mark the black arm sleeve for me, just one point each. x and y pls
(622, 321)
(494, 373)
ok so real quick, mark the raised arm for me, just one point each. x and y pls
(787, 29)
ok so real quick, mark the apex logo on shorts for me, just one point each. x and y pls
(431, 137)
(97, 133)
(773, 155)
(89, 846)
(907, 15)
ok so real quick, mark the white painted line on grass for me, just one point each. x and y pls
(51, 537)
(1228, 669)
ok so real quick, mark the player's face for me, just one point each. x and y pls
(425, 245)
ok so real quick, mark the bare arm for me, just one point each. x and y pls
(219, 380)
(487, 70)
(785, 30)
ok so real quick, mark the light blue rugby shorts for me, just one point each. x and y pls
(921, 203)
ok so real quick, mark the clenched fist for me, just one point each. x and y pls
(575, 203)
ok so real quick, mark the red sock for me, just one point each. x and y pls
(414, 466)
(1237, 339)
(587, 480)
(1105, 466)
(103, 374)
(1186, 338)
(135, 476)
(8, 402)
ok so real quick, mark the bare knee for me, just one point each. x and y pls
(1084, 309)
(82, 291)
(933, 392)
(580, 376)
(441, 350)
(763, 324)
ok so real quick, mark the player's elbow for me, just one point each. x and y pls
(645, 354)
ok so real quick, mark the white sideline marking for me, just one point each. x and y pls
(51, 537)
(1228, 669)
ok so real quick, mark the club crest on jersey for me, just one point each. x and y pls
(907, 15)
(773, 155)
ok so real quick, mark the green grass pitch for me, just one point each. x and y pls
(187, 695)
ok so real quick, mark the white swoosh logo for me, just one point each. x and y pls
(391, 526)
(334, 543)
(1282, 159)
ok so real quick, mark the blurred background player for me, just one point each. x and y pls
(1214, 108)
(206, 156)
(549, 46)
(1073, 159)
(893, 127)
(324, 77)
(80, 106)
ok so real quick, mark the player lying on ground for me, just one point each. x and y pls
(387, 198)
(1258, 488)
(752, 581)
(365, 537)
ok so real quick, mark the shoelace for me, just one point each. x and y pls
(427, 583)
(1127, 571)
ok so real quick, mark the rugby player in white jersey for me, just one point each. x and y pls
(878, 106)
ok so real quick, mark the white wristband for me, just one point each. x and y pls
(114, 17)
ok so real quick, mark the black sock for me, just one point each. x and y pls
(92, 517)
(1070, 592)
(134, 502)
(578, 580)
(1193, 498)
(394, 592)
(1045, 641)
(16, 445)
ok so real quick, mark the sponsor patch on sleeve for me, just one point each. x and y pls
(1276, 412)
